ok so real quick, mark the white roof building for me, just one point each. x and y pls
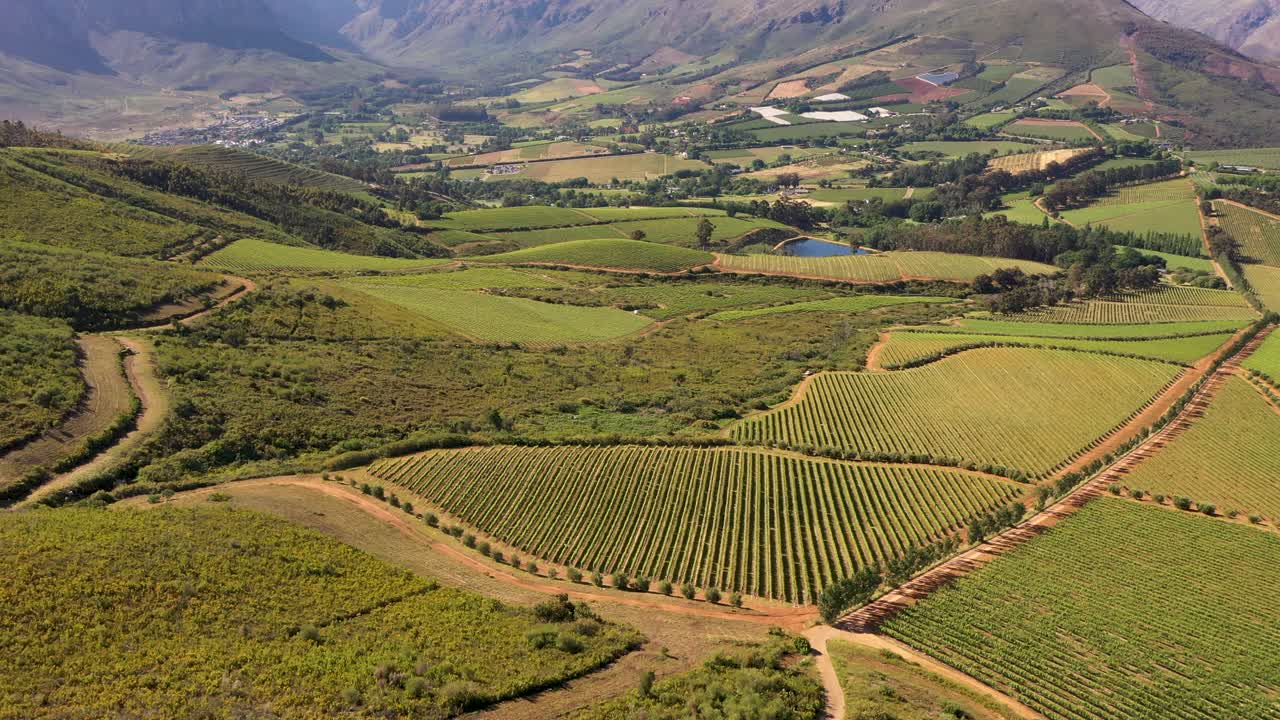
(831, 97)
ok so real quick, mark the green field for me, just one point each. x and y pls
(1266, 359)
(1225, 458)
(1265, 281)
(840, 195)
(1258, 235)
(770, 154)
(634, 166)
(258, 256)
(1121, 611)
(250, 165)
(607, 253)
(855, 304)
(1065, 133)
(934, 410)
(986, 121)
(1165, 207)
(506, 218)
(1021, 208)
(766, 524)
(493, 318)
(666, 300)
(467, 278)
(1172, 261)
(211, 612)
(671, 230)
(1104, 312)
(910, 348)
(39, 378)
(955, 149)
(1268, 158)
(878, 267)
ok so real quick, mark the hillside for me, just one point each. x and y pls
(1250, 26)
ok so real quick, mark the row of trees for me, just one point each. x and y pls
(1080, 190)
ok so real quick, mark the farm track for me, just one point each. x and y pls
(1205, 223)
(869, 618)
(106, 398)
(140, 368)
(246, 286)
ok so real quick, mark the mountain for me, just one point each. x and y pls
(1250, 26)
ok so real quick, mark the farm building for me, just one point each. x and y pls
(939, 78)
(831, 97)
(841, 116)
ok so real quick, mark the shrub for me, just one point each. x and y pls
(664, 587)
(407, 507)
(469, 540)
(366, 489)
(351, 696)
(484, 548)
(713, 595)
(532, 567)
(431, 520)
(1114, 488)
(416, 687)
(1137, 494)
(574, 575)
(541, 637)
(552, 573)
(379, 492)
(515, 561)
(1255, 519)
(310, 633)
(1182, 503)
(395, 500)
(688, 590)
(736, 600)
(1159, 498)
(497, 556)
(621, 581)
(1207, 508)
(597, 579)
(460, 695)
(558, 609)
(642, 583)
(568, 643)
(587, 628)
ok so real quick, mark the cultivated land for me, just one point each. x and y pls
(929, 412)
(1076, 629)
(860, 303)
(1165, 207)
(876, 268)
(907, 349)
(259, 256)
(1258, 234)
(607, 253)
(767, 524)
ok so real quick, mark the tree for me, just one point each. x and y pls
(621, 581)
(713, 595)
(688, 590)
(704, 232)
(841, 595)
(597, 579)
(638, 235)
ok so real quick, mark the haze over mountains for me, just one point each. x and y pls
(119, 60)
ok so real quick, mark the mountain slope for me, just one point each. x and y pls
(1250, 26)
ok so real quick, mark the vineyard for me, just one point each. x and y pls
(1027, 162)
(472, 278)
(1266, 359)
(982, 326)
(251, 165)
(1258, 235)
(1265, 282)
(1050, 130)
(1121, 611)
(258, 256)
(879, 267)
(1225, 458)
(668, 230)
(984, 407)
(854, 304)
(767, 524)
(1164, 207)
(666, 300)
(225, 609)
(532, 216)
(905, 349)
(494, 318)
(1102, 312)
(607, 253)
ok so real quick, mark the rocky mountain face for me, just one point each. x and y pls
(1250, 26)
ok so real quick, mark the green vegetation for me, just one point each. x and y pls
(1072, 132)
(1266, 359)
(1125, 313)
(757, 681)
(1160, 636)
(257, 256)
(880, 684)
(854, 304)
(1161, 207)
(215, 611)
(987, 121)
(493, 318)
(982, 326)
(959, 149)
(678, 297)
(932, 412)
(39, 378)
(513, 218)
(672, 231)
(1258, 235)
(607, 253)
(1224, 458)
(908, 349)
(251, 165)
(92, 290)
(729, 518)
(1268, 158)
(879, 267)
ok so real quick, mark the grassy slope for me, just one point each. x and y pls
(621, 254)
(39, 380)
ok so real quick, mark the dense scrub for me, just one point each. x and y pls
(219, 613)
(39, 379)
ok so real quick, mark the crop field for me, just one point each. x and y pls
(984, 406)
(958, 148)
(1021, 208)
(670, 230)
(1268, 158)
(1167, 207)
(634, 166)
(1265, 281)
(853, 304)
(841, 195)
(223, 609)
(539, 151)
(907, 348)
(631, 214)
(666, 300)
(1126, 313)
(1066, 131)
(1225, 458)
(986, 121)
(607, 253)
(985, 326)
(1121, 611)
(1028, 162)
(878, 267)
(39, 377)
(769, 154)
(1172, 261)
(493, 318)
(1258, 235)
(471, 278)
(506, 218)
(250, 165)
(767, 524)
(258, 256)
(1266, 359)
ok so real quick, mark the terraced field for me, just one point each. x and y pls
(854, 304)
(1121, 611)
(620, 254)
(767, 524)
(1225, 458)
(906, 349)
(257, 256)
(1258, 235)
(985, 407)
(879, 267)
(1166, 207)
(494, 318)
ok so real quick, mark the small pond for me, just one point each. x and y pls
(813, 247)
